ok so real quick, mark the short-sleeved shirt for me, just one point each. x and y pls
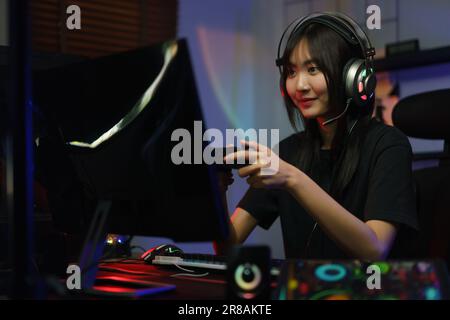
(381, 189)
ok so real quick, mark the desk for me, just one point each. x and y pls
(303, 279)
(210, 287)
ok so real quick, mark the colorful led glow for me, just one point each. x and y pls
(112, 289)
(357, 273)
(338, 297)
(360, 87)
(230, 84)
(146, 253)
(303, 288)
(293, 284)
(123, 284)
(388, 297)
(325, 294)
(171, 250)
(432, 293)
(282, 294)
(363, 73)
(248, 295)
(384, 267)
(330, 272)
(239, 274)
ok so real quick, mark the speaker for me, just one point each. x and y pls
(248, 273)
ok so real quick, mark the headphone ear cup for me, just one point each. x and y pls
(349, 76)
(359, 82)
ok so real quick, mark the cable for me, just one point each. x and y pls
(351, 129)
(343, 112)
(305, 251)
(184, 269)
(189, 275)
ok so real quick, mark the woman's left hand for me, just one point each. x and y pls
(266, 170)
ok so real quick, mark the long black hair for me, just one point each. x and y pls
(330, 52)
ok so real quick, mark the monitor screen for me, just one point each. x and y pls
(107, 135)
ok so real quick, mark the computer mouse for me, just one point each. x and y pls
(162, 250)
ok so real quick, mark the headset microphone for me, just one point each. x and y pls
(349, 100)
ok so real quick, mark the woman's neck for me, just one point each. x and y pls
(327, 133)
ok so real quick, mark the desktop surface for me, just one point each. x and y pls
(298, 280)
(209, 287)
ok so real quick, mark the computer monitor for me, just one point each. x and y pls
(108, 132)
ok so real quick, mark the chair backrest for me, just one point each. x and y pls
(427, 115)
(433, 199)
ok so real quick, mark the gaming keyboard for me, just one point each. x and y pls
(204, 261)
(347, 279)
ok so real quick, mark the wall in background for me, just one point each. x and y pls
(106, 27)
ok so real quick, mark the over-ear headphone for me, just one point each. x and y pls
(358, 74)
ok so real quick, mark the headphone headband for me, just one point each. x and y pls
(340, 23)
(367, 48)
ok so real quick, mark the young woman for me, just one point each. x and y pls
(343, 187)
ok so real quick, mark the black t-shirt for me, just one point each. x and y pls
(381, 189)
